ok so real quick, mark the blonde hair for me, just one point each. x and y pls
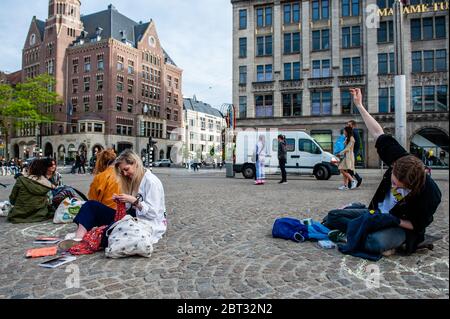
(104, 159)
(129, 185)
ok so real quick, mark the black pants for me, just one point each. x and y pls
(283, 169)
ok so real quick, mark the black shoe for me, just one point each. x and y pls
(359, 181)
(280, 182)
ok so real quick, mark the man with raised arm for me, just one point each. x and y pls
(406, 194)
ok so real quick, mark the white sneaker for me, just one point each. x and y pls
(343, 187)
(354, 184)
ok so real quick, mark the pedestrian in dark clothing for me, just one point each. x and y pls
(83, 163)
(78, 163)
(282, 157)
(356, 148)
(405, 192)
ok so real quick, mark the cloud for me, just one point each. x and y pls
(197, 34)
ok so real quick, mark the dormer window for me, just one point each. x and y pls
(33, 39)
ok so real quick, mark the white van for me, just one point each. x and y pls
(304, 154)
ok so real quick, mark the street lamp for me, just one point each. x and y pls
(149, 154)
(400, 78)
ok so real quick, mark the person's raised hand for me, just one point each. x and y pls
(357, 96)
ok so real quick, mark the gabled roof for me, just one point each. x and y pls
(41, 27)
(168, 59)
(198, 106)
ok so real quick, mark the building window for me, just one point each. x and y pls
(428, 61)
(130, 105)
(242, 19)
(120, 61)
(439, 23)
(119, 83)
(99, 102)
(291, 13)
(321, 103)
(242, 47)
(441, 60)
(130, 67)
(86, 102)
(416, 30)
(264, 17)
(242, 107)
(87, 84)
(130, 86)
(386, 100)
(321, 40)
(100, 82)
(385, 66)
(98, 128)
(347, 105)
(292, 104)
(324, 138)
(100, 63)
(264, 46)
(351, 37)
(385, 3)
(242, 75)
(385, 33)
(321, 69)
(292, 43)
(430, 98)
(351, 66)
(119, 103)
(203, 123)
(350, 8)
(292, 71)
(416, 57)
(427, 28)
(87, 64)
(264, 73)
(320, 10)
(264, 105)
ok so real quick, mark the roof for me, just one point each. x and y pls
(198, 106)
(41, 26)
(168, 59)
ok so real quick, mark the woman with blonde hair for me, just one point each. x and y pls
(142, 193)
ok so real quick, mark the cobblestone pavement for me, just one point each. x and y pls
(219, 245)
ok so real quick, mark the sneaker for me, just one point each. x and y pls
(68, 243)
(337, 236)
(359, 182)
(343, 187)
(354, 184)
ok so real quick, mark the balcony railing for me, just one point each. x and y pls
(291, 84)
(352, 80)
(263, 86)
(320, 82)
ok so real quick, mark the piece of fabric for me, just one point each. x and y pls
(104, 186)
(290, 228)
(392, 198)
(61, 193)
(317, 231)
(91, 242)
(94, 214)
(67, 210)
(30, 201)
(359, 228)
(282, 163)
(385, 239)
(340, 218)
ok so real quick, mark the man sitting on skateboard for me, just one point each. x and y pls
(406, 192)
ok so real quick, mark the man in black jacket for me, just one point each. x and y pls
(358, 178)
(405, 192)
(282, 157)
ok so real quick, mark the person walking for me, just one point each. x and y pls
(282, 158)
(348, 162)
(83, 162)
(356, 149)
(260, 160)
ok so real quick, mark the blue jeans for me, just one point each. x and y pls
(317, 231)
(376, 242)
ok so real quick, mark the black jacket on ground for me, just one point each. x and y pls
(418, 209)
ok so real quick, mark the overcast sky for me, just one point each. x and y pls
(197, 34)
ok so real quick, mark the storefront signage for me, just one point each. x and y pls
(419, 8)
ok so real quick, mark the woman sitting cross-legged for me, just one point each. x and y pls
(142, 193)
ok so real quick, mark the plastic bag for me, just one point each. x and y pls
(67, 210)
(5, 208)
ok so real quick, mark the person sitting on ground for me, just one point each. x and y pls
(29, 195)
(347, 163)
(105, 183)
(406, 192)
(143, 194)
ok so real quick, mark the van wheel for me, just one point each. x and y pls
(321, 173)
(248, 171)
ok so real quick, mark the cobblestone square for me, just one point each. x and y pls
(219, 245)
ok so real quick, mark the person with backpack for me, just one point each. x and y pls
(282, 157)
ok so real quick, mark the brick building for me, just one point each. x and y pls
(118, 84)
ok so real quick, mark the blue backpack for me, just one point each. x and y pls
(339, 145)
(290, 228)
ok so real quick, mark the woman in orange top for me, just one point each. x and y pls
(105, 182)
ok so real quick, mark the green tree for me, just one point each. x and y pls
(30, 102)
(212, 151)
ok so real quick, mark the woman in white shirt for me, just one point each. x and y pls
(260, 161)
(143, 195)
